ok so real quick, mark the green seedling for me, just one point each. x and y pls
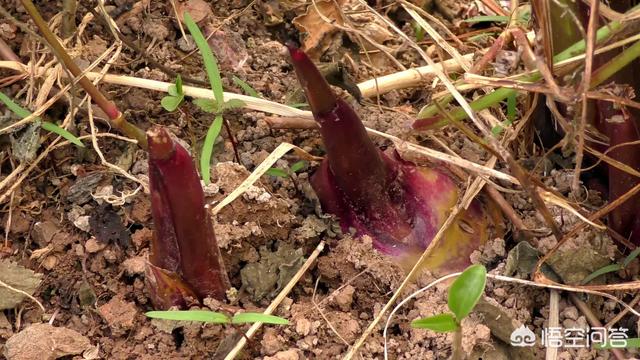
(217, 318)
(295, 168)
(418, 31)
(48, 126)
(176, 96)
(216, 106)
(464, 294)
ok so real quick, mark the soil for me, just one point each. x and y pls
(87, 229)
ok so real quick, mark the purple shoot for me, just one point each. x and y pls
(400, 205)
(185, 262)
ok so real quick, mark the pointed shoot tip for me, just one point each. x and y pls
(161, 146)
(319, 94)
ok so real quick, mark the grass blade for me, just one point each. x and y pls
(479, 19)
(207, 148)
(630, 257)
(51, 127)
(630, 343)
(249, 317)
(246, 87)
(15, 108)
(210, 63)
(603, 270)
(190, 315)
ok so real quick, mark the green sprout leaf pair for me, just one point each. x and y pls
(464, 294)
(217, 318)
(175, 97)
(48, 126)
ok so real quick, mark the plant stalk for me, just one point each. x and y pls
(116, 118)
(456, 346)
(614, 65)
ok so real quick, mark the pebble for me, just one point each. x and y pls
(186, 43)
(92, 246)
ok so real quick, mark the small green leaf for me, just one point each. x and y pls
(438, 323)
(249, 317)
(51, 127)
(603, 270)
(418, 31)
(206, 105)
(233, 103)
(497, 130)
(171, 103)
(190, 315)
(297, 166)
(172, 90)
(207, 149)
(179, 85)
(465, 292)
(277, 172)
(479, 19)
(245, 87)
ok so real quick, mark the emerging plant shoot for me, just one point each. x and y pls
(400, 205)
(185, 263)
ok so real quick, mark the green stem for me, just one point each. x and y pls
(614, 65)
(456, 346)
(117, 120)
(501, 94)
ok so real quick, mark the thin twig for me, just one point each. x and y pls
(3, 284)
(554, 321)
(586, 81)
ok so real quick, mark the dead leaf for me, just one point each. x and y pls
(320, 34)
(19, 278)
(46, 342)
(272, 11)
